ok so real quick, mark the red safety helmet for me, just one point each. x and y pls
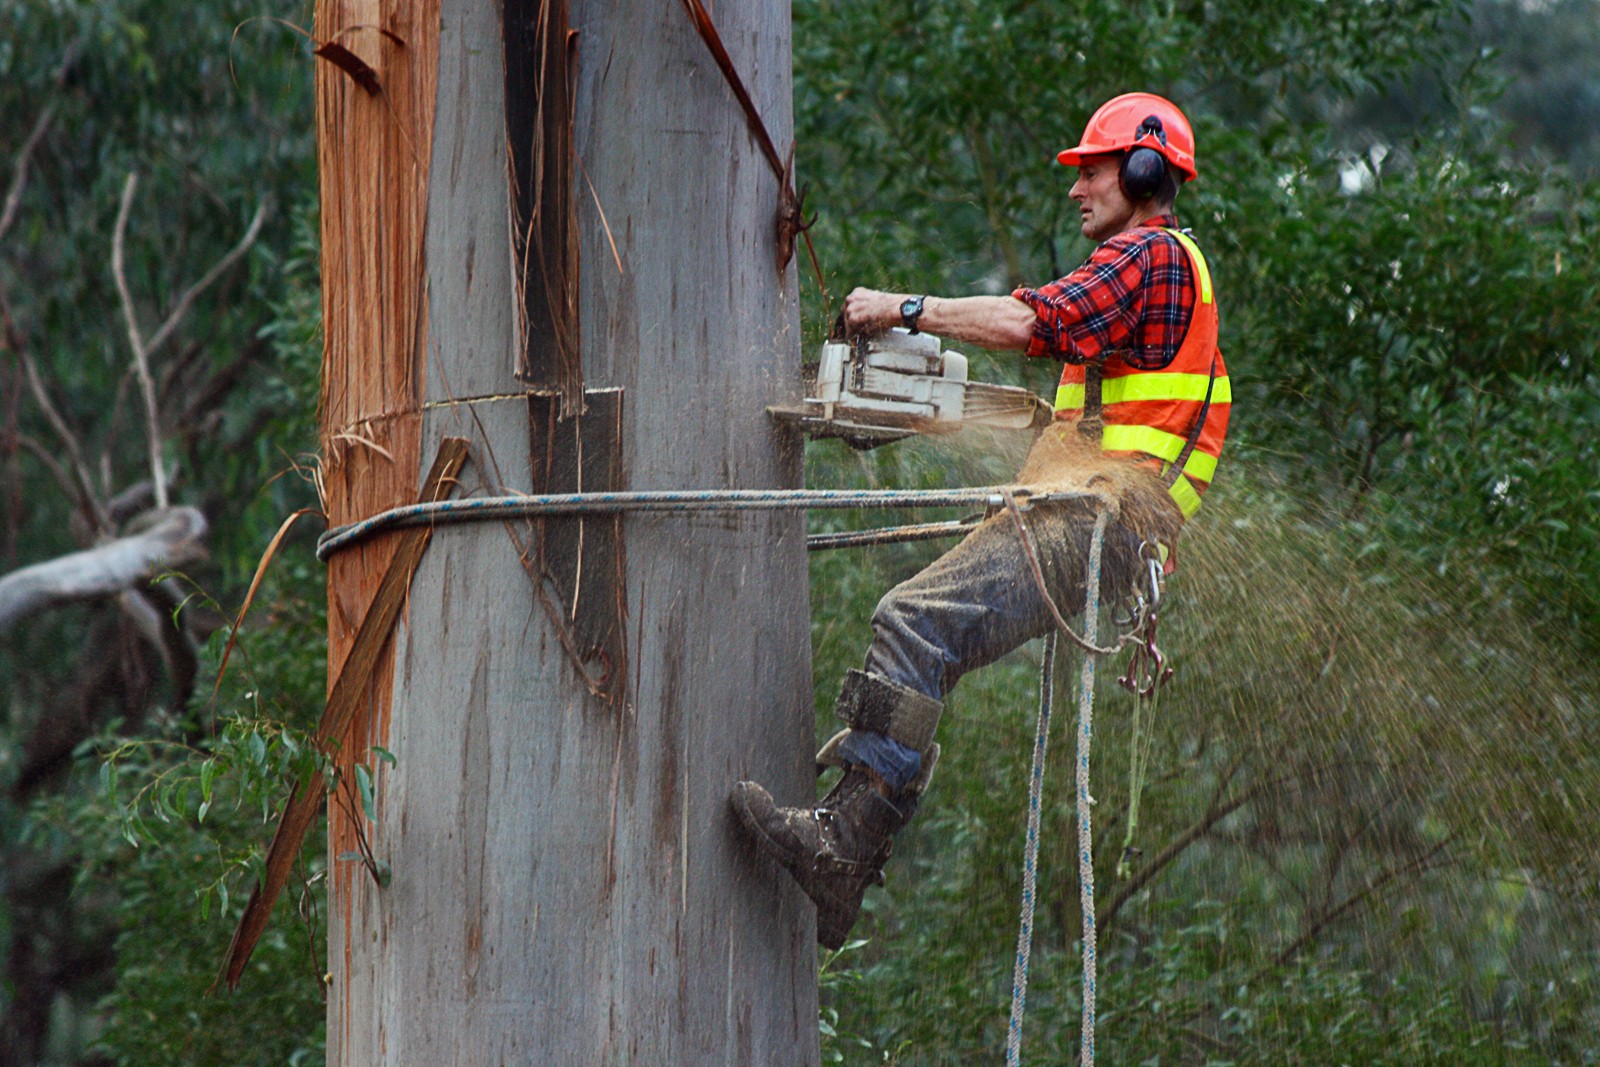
(1124, 123)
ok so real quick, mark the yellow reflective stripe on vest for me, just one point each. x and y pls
(1159, 443)
(1185, 496)
(1148, 385)
(1199, 262)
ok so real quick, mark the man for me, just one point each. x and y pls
(1141, 413)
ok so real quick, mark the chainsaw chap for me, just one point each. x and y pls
(1141, 417)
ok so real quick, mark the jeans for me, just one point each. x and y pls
(978, 602)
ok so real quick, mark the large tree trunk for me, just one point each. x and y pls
(567, 884)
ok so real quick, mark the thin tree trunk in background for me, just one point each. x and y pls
(567, 712)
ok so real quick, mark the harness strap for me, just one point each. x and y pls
(1092, 422)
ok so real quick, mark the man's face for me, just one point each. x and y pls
(1102, 207)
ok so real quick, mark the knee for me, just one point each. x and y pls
(896, 609)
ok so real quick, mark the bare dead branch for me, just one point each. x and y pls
(141, 356)
(140, 496)
(172, 538)
(1415, 866)
(143, 349)
(45, 456)
(186, 301)
(41, 126)
(1214, 813)
(19, 168)
(12, 339)
(151, 610)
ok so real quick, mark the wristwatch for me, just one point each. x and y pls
(911, 311)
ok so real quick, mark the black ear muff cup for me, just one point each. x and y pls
(1143, 171)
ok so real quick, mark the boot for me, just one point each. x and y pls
(835, 850)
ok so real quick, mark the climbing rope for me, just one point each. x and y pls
(1091, 612)
(890, 535)
(482, 509)
(1030, 853)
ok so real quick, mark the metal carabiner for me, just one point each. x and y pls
(1147, 665)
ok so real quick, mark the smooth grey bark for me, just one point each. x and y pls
(568, 885)
(166, 539)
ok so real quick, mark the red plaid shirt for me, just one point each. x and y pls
(1134, 294)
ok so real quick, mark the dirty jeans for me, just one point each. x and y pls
(976, 603)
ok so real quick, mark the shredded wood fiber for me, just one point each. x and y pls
(1062, 459)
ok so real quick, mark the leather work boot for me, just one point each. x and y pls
(835, 850)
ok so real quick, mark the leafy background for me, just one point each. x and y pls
(1368, 835)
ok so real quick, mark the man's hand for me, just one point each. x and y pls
(871, 311)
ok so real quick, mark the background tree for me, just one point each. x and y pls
(143, 241)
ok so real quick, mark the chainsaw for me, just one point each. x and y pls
(873, 390)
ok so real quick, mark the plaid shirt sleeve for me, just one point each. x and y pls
(1134, 296)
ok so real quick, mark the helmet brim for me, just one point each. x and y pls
(1074, 157)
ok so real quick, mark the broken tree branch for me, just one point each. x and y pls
(348, 695)
(186, 301)
(172, 537)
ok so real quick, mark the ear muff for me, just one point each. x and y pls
(1144, 169)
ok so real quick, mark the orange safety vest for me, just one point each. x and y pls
(1177, 413)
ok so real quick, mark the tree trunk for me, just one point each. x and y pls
(568, 705)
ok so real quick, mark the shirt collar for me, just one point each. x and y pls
(1168, 221)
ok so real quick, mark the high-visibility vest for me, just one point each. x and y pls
(1156, 413)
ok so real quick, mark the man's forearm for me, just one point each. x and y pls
(1000, 322)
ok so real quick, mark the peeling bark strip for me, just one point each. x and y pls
(373, 154)
(578, 561)
(790, 221)
(350, 63)
(349, 693)
(541, 65)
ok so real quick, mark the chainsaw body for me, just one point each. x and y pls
(874, 390)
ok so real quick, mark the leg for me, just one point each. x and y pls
(969, 608)
(980, 600)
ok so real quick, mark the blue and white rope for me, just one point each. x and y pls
(1030, 854)
(479, 509)
(1091, 619)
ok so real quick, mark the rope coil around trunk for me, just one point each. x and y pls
(483, 509)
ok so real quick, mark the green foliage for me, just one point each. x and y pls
(109, 945)
(1384, 616)
(165, 830)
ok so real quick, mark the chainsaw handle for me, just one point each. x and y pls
(840, 334)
